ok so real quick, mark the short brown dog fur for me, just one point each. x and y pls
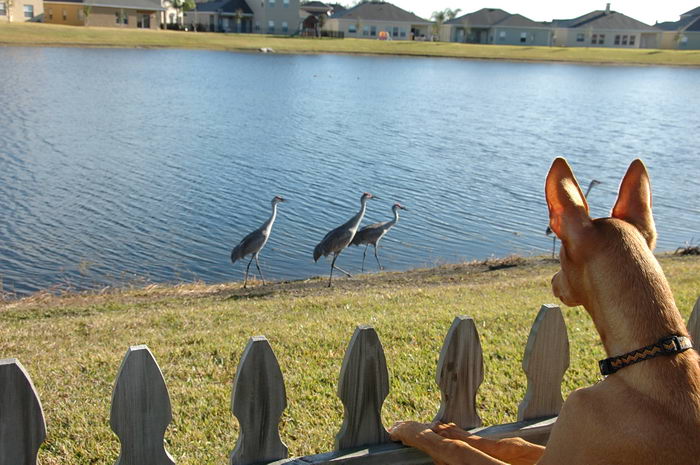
(645, 414)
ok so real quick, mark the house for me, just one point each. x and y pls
(605, 28)
(257, 16)
(143, 14)
(220, 16)
(313, 16)
(683, 34)
(377, 19)
(496, 26)
(21, 10)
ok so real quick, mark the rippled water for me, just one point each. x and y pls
(151, 164)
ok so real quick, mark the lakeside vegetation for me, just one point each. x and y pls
(72, 346)
(49, 35)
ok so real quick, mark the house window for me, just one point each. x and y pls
(120, 17)
(50, 12)
(580, 37)
(29, 11)
(65, 15)
(271, 27)
(601, 39)
(270, 3)
(395, 32)
(617, 39)
(365, 31)
(624, 40)
(285, 27)
(594, 39)
(403, 33)
(502, 35)
(523, 37)
(373, 31)
(257, 26)
(632, 39)
(285, 3)
(352, 29)
(3, 9)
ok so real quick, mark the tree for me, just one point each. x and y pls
(181, 6)
(451, 14)
(87, 9)
(439, 18)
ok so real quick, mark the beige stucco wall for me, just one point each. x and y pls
(277, 11)
(567, 37)
(345, 26)
(98, 17)
(16, 13)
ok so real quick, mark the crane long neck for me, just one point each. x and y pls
(271, 220)
(396, 216)
(357, 219)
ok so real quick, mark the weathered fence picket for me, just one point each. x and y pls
(694, 325)
(460, 372)
(22, 426)
(258, 400)
(363, 386)
(141, 409)
(545, 362)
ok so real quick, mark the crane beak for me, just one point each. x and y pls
(404, 208)
(374, 197)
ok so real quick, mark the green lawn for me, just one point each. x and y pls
(72, 347)
(33, 34)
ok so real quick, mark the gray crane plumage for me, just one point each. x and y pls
(339, 238)
(253, 243)
(373, 233)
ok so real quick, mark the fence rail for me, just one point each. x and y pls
(141, 411)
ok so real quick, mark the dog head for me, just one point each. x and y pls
(594, 251)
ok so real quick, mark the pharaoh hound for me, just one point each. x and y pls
(647, 409)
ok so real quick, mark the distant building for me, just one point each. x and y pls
(496, 26)
(21, 11)
(313, 16)
(373, 20)
(683, 34)
(143, 14)
(605, 28)
(258, 16)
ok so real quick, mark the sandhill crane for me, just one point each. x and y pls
(548, 231)
(335, 241)
(255, 241)
(373, 233)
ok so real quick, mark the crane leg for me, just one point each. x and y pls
(375, 256)
(245, 281)
(554, 246)
(364, 254)
(330, 277)
(257, 264)
(342, 270)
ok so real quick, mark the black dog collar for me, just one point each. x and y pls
(666, 346)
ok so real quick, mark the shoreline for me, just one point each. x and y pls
(55, 36)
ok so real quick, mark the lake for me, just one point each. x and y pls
(122, 166)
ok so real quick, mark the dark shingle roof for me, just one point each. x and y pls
(225, 6)
(693, 12)
(485, 17)
(599, 19)
(134, 4)
(676, 25)
(379, 11)
(314, 5)
(694, 26)
(517, 20)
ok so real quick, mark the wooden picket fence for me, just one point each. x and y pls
(141, 410)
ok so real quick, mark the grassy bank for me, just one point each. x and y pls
(72, 346)
(32, 34)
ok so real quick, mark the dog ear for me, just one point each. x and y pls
(634, 202)
(568, 209)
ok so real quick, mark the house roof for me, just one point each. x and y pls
(485, 17)
(152, 5)
(693, 12)
(676, 25)
(517, 20)
(225, 6)
(378, 11)
(599, 19)
(694, 26)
